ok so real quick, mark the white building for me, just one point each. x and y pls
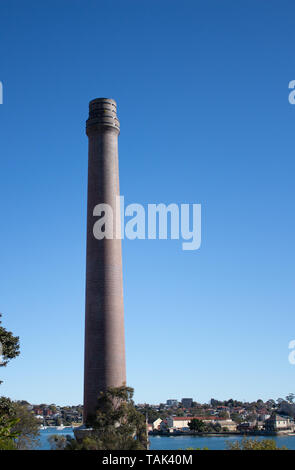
(156, 424)
(181, 422)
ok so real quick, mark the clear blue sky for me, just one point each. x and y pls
(202, 92)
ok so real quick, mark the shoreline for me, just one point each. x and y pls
(222, 434)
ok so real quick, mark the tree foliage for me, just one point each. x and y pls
(9, 345)
(117, 424)
(7, 435)
(22, 424)
(290, 398)
(18, 426)
(27, 428)
(58, 442)
(9, 349)
(254, 444)
(197, 425)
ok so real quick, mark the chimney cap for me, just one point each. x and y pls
(102, 115)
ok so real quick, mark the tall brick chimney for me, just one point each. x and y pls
(104, 316)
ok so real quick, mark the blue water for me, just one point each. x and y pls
(46, 433)
(177, 442)
(212, 442)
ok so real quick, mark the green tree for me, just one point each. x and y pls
(197, 425)
(117, 424)
(23, 424)
(18, 426)
(9, 349)
(150, 413)
(290, 398)
(53, 408)
(27, 428)
(236, 418)
(259, 403)
(58, 442)
(9, 346)
(7, 435)
(213, 427)
(270, 403)
(254, 444)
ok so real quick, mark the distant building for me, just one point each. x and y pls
(279, 423)
(172, 402)
(156, 424)
(227, 424)
(181, 422)
(39, 417)
(238, 409)
(187, 402)
(263, 416)
(246, 426)
(222, 408)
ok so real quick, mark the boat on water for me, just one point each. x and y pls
(60, 427)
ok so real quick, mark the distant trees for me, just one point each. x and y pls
(213, 427)
(290, 398)
(271, 403)
(236, 418)
(53, 408)
(151, 413)
(251, 416)
(286, 408)
(199, 411)
(231, 403)
(197, 425)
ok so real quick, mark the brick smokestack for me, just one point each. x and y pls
(104, 316)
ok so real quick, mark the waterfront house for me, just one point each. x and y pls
(277, 423)
(182, 422)
(246, 426)
(227, 424)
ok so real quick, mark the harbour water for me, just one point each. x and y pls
(177, 442)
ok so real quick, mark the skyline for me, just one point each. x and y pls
(202, 90)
